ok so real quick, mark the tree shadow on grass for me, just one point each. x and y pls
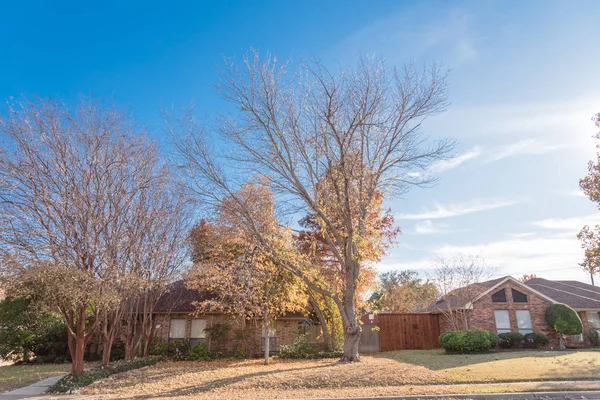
(438, 359)
(195, 390)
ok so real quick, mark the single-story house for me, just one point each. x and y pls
(176, 318)
(508, 305)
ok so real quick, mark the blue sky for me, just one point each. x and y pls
(524, 85)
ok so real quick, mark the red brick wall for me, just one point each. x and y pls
(482, 314)
(285, 330)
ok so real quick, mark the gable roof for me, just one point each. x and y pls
(451, 299)
(480, 290)
(578, 295)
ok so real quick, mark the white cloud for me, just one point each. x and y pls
(428, 227)
(573, 224)
(527, 146)
(548, 256)
(445, 165)
(454, 210)
(573, 193)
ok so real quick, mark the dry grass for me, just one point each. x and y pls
(16, 376)
(394, 373)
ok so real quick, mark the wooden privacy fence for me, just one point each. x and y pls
(408, 331)
(369, 339)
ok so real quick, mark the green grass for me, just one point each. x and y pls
(16, 376)
(505, 366)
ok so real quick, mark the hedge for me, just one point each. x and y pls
(70, 383)
(469, 341)
(510, 340)
(535, 340)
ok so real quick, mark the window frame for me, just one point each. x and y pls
(503, 290)
(524, 329)
(171, 338)
(512, 292)
(503, 329)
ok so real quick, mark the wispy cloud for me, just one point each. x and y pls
(573, 224)
(460, 159)
(455, 210)
(428, 227)
(527, 146)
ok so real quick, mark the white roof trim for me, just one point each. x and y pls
(502, 282)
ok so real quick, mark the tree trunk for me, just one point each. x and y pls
(322, 321)
(351, 342)
(266, 329)
(106, 349)
(77, 344)
(352, 329)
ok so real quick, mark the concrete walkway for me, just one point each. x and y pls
(37, 389)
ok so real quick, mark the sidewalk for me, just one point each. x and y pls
(34, 390)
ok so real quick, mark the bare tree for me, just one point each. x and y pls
(361, 124)
(458, 279)
(69, 180)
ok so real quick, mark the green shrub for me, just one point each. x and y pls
(535, 340)
(300, 347)
(178, 350)
(69, 382)
(30, 335)
(469, 341)
(199, 352)
(509, 340)
(594, 337)
(563, 319)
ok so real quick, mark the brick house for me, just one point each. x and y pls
(507, 305)
(176, 318)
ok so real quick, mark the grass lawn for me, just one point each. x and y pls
(392, 373)
(16, 376)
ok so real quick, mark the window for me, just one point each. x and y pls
(594, 320)
(197, 332)
(518, 297)
(177, 329)
(499, 296)
(502, 321)
(272, 339)
(524, 322)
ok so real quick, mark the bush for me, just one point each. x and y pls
(535, 340)
(594, 337)
(69, 382)
(30, 335)
(469, 341)
(509, 340)
(199, 352)
(299, 348)
(178, 350)
(563, 319)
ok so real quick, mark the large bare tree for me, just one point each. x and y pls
(72, 180)
(293, 127)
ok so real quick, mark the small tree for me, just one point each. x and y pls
(590, 236)
(564, 320)
(402, 292)
(525, 277)
(457, 278)
(237, 269)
